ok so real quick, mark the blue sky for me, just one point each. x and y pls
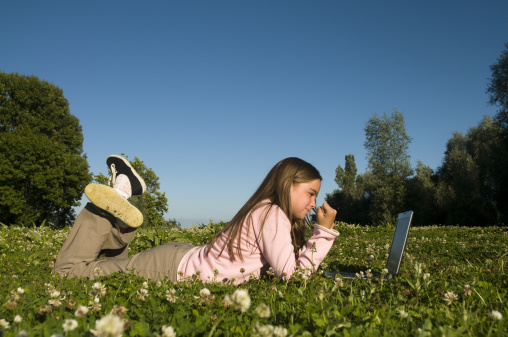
(211, 94)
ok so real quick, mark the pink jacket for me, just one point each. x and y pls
(260, 249)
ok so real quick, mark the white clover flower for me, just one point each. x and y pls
(4, 324)
(426, 276)
(262, 330)
(170, 295)
(20, 290)
(18, 319)
(241, 300)
(338, 282)
(69, 325)
(168, 331)
(99, 288)
(22, 333)
(384, 271)
(98, 271)
(496, 315)
(81, 311)
(403, 314)
(145, 285)
(142, 293)
(204, 292)
(55, 302)
(54, 294)
(263, 310)
(95, 304)
(279, 331)
(227, 302)
(449, 297)
(109, 326)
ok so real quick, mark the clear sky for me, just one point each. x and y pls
(211, 94)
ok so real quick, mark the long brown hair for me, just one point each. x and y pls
(276, 187)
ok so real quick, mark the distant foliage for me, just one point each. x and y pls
(387, 145)
(379, 194)
(498, 94)
(467, 189)
(43, 169)
(351, 199)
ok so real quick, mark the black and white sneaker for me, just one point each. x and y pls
(111, 201)
(120, 165)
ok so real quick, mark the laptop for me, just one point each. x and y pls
(396, 250)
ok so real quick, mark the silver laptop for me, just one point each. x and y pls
(396, 249)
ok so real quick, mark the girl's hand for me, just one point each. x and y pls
(326, 216)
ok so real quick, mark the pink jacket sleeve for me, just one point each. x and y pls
(276, 247)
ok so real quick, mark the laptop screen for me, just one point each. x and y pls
(399, 242)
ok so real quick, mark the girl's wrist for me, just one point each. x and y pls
(330, 230)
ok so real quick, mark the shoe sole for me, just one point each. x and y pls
(107, 199)
(123, 166)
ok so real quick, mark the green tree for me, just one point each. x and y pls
(152, 204)
(458, 188)
(498, 87)
(498, 95)
(349, 199)
(421, 196)
(346, 177)
(43, 170)
(468, 184)
(387, 145)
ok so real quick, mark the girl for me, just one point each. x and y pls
(268, 231)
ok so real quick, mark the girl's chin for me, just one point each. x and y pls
(299, 217)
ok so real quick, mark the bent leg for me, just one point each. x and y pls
(94, 233)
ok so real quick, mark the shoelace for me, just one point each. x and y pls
(112, 178)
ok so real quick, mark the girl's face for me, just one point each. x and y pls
(303, 198)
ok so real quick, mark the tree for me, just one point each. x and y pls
(498, 87)
(43, 170)
(498, 95)
(152, 204)
(346, 178)
(387, 147)
(458, 189)
(421, 193)
(468, 184)
(350, 197)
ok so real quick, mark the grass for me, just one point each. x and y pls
(453, 281)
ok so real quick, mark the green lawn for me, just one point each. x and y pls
(453, 281)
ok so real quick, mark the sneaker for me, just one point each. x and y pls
(120, 165)
(109, 200)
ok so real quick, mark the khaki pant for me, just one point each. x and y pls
(95, 241)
